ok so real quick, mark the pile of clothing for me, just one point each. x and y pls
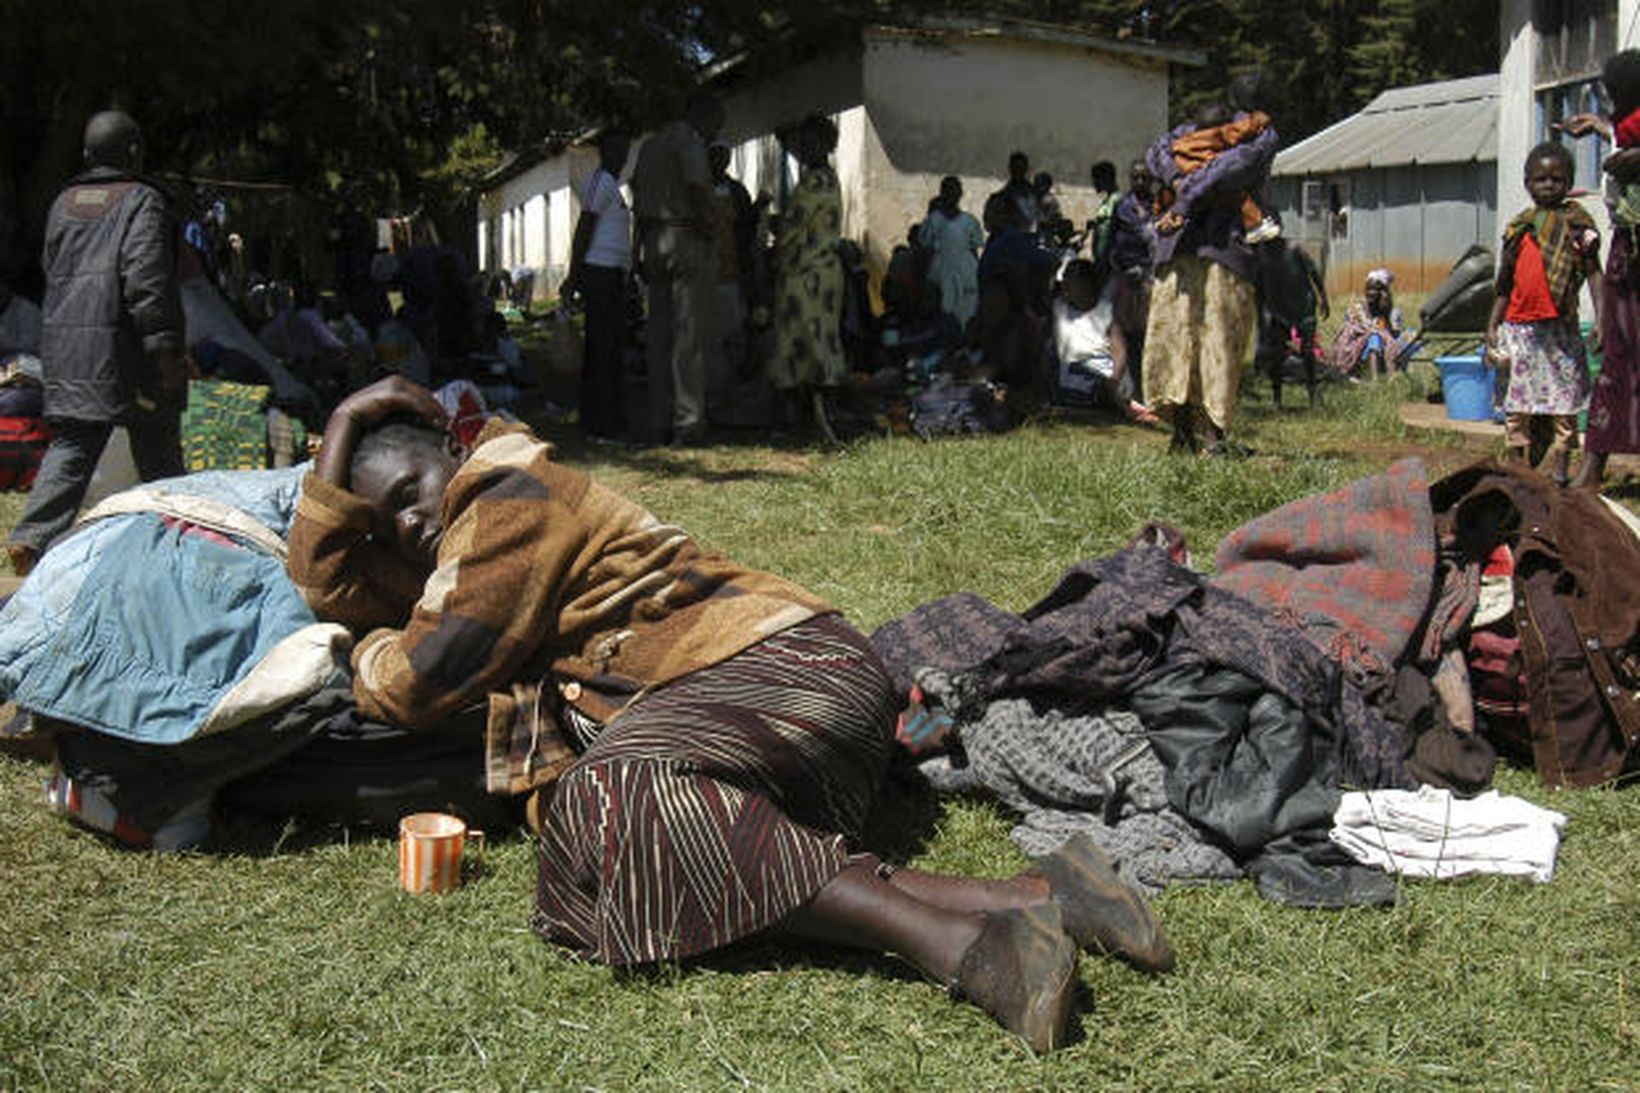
(1197, 727)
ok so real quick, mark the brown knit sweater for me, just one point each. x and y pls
(549, 589)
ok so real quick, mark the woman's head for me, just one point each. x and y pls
(1549, 173)
(1379, 297)
(1621, 76)
(1080, 284)
(401, 469)
(950, 191)
(816, 138)
(1103, 176)
(1248, 92)
(614, 146)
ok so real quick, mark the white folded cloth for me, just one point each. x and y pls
(1428, 832)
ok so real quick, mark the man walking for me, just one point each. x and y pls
(111, 343)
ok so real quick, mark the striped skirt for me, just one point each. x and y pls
(713, 808)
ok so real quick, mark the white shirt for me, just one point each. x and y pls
(1084, 335)
(611, 243)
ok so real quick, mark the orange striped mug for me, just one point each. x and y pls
(430, 848)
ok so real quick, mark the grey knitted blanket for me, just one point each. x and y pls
(1074, 768)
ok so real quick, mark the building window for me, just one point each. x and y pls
(1313, 206)
(1338, 210)
(1574, 37)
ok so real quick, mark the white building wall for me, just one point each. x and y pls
(960, 105)
(1516, 110)
(909, 108)
(528, 221)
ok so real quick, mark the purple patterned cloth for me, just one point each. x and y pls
(1111, 625)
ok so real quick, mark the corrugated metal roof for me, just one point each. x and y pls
(1454, 121)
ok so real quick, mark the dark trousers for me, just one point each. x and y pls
(603, 367)
(1274, 334)
(317, 759)
(65, 472)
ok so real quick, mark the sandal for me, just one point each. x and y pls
(1101, 911)
(1022, 971)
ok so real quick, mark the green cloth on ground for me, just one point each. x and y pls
(225, 426)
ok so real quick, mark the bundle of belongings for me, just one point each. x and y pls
(163, 653)
(1198, 728)
(24, 433)
(246, 411)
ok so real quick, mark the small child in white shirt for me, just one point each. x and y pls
(1089, 345)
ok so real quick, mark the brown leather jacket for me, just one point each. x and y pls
(1577, 612)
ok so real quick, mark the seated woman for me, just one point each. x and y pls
(1090, 349)
(702, 741)
(1373, 335)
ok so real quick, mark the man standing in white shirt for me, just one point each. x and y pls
(600, 257)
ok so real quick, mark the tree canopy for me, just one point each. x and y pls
(413, 99)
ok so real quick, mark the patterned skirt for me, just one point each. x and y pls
(1201, 320)
(1614, 409)
(1548, 371)
(715, 807)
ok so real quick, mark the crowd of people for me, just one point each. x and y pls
(1018, 300)
(147, 300)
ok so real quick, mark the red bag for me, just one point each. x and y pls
(23, 443)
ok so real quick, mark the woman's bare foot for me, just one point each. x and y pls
(1591, 472)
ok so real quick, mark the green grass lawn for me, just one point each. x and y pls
(298, 965)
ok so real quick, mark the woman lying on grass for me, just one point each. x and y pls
(702, 741)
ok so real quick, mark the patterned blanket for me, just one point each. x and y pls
(225, 426)
(1354, 568)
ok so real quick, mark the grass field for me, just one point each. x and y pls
(294, 963)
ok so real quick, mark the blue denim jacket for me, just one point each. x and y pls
(137, 626)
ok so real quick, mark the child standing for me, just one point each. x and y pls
(1290, 290)
(1548, 252)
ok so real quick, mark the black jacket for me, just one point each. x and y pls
(111, 294)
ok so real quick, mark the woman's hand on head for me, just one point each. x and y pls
(362, 411)
(393, 396)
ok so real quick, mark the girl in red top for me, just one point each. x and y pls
(1548, 252)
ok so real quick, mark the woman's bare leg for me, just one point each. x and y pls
(965, 894)
(859, 909)
(1018, 965)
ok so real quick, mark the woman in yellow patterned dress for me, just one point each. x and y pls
(809, 282)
